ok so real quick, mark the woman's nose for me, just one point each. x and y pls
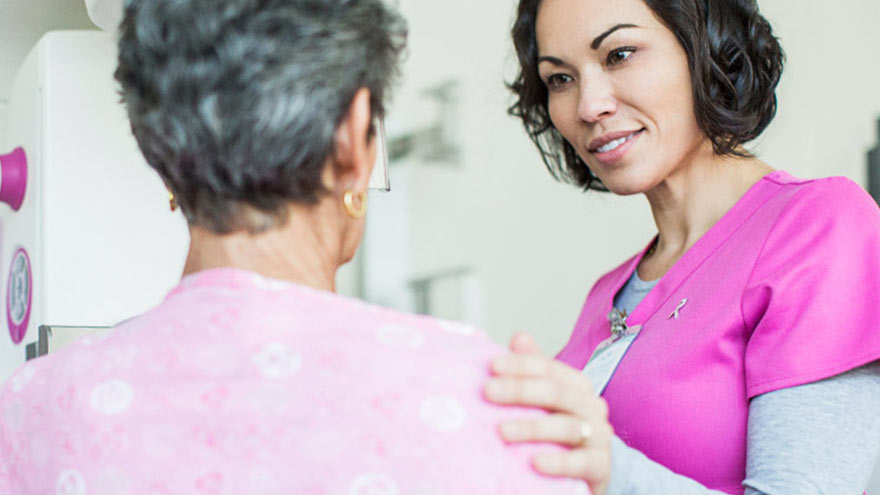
(596, 101)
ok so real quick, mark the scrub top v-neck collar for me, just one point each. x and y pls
(747, 205)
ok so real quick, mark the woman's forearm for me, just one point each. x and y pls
(634, 474)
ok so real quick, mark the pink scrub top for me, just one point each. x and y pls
(784, 290)
(238, 384)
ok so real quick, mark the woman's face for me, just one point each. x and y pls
(619, 90)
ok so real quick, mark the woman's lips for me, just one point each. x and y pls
(614, 150)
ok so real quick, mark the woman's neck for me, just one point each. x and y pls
(300, 252)
(690, 201)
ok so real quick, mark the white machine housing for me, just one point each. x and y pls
(95, 222)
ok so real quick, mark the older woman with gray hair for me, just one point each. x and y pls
(252, 376)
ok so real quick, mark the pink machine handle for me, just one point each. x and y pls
(13, 170)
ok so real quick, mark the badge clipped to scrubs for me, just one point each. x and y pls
(608, 354)
(379, 178)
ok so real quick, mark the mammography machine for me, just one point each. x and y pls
(87, 237)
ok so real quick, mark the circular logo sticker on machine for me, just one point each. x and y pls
(19, 292)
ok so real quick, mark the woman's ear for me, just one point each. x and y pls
(355, 146)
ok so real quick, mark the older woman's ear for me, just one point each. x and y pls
(355, 146)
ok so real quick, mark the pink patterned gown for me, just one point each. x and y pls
(239, 384)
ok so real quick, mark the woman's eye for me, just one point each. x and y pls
(558, 80)
(620, 55)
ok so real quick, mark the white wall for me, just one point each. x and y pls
(829, 98)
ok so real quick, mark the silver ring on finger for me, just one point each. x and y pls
(585, 431)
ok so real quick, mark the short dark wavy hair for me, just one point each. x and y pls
(235, 103)
(735, 63)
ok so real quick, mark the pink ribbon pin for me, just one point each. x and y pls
(681, 305)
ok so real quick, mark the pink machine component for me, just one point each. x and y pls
(13, 178)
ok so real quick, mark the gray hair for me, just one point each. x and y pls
(235, 103)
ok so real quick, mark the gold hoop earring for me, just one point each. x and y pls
(172, 201)
(350, 208)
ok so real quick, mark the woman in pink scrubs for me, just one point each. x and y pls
(737, 352)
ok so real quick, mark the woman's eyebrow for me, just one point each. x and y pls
(599, 39)
(552, 60)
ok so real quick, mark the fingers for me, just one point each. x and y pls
(590, 462)
(524, 343)
(588, 456)
(536, 366)
(551, 395)
(527, 378)
(545, 394)
(591, 465)
(562, 429)
(527, 365)
(559, 380)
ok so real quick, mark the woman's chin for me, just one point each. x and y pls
(625, 178)
(622, 186)
(625, 192)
